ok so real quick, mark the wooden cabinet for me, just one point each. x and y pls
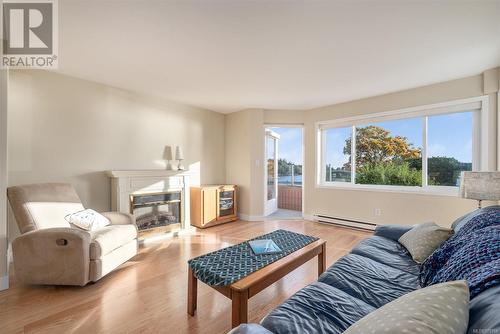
(212, 205)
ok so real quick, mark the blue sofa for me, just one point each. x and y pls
(377, 271)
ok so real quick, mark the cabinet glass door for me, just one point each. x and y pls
(226, 203)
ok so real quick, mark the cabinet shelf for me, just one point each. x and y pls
(213, 205)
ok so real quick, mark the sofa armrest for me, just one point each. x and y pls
(55, 256)
(393, 232)
(250, 329)
(119, 218)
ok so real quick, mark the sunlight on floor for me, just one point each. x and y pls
(284, 214)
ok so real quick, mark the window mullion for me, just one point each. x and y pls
(425, 122)
(353, 155)
(476, 142)
(322, 149)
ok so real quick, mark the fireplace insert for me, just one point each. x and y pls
(156, 211)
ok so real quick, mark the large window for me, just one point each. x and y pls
(389, 153)
(414, 149)
(338, 155)
(449, 142)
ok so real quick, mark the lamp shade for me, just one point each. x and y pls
(167, 153)
(179, 155)
(480, 185)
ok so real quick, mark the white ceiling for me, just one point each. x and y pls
(229, 55)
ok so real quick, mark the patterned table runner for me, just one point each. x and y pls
(228, 265)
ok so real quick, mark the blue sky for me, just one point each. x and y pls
(448, 135)
(290, 144)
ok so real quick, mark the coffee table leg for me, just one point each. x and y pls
(322, 260)
(192, 292)
(240, 307)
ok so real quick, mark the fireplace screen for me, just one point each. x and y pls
(156, 210)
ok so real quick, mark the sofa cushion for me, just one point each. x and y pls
(393, 232)
(317, 308)
(484, 310)
(110, 238)
(373, 282)
(423, 239)
(442, 308)
(388, 252)
(249, 329)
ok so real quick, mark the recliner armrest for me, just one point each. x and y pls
(250, 329)
(52, 256)
(119, 218)
(393, 232)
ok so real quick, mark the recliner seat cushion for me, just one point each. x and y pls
(109, 238)
(317, 308)
(375, 283)
(388, 252)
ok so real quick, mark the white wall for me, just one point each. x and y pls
(244, 153)
(396, 208)
(4, 270)
(63, 129)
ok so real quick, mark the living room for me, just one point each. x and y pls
(144, 160)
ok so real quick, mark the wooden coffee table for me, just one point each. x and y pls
(240, 291)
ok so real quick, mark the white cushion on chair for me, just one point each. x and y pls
(52, 214)
(109, 238)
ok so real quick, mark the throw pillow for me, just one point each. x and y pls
(423, 239)
(441, 308)
(88, 220)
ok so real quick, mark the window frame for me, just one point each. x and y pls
(478, 105)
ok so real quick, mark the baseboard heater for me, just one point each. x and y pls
(345, 222)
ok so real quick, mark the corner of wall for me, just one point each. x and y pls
(4, 262)
(491, 87)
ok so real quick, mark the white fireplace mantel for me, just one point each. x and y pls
(147, 173)
(125, 183)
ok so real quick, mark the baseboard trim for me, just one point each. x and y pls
(309, 217)
(4, 283)
(251, 218)
(345, 222)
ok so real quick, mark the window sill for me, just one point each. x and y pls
(429, 190)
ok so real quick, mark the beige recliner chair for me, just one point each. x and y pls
(51, 251)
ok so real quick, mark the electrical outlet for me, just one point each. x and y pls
(377, 212)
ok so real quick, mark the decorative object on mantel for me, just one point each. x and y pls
(179, 155)
(213, 205)
(168, 156)
(480, 186)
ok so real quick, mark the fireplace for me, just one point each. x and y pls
(159, 200)
(157, 212)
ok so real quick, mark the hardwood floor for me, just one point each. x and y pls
(149, 293)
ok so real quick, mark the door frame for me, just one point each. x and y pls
(267, 209)
(304, 171)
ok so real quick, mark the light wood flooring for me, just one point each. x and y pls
(149, 293)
